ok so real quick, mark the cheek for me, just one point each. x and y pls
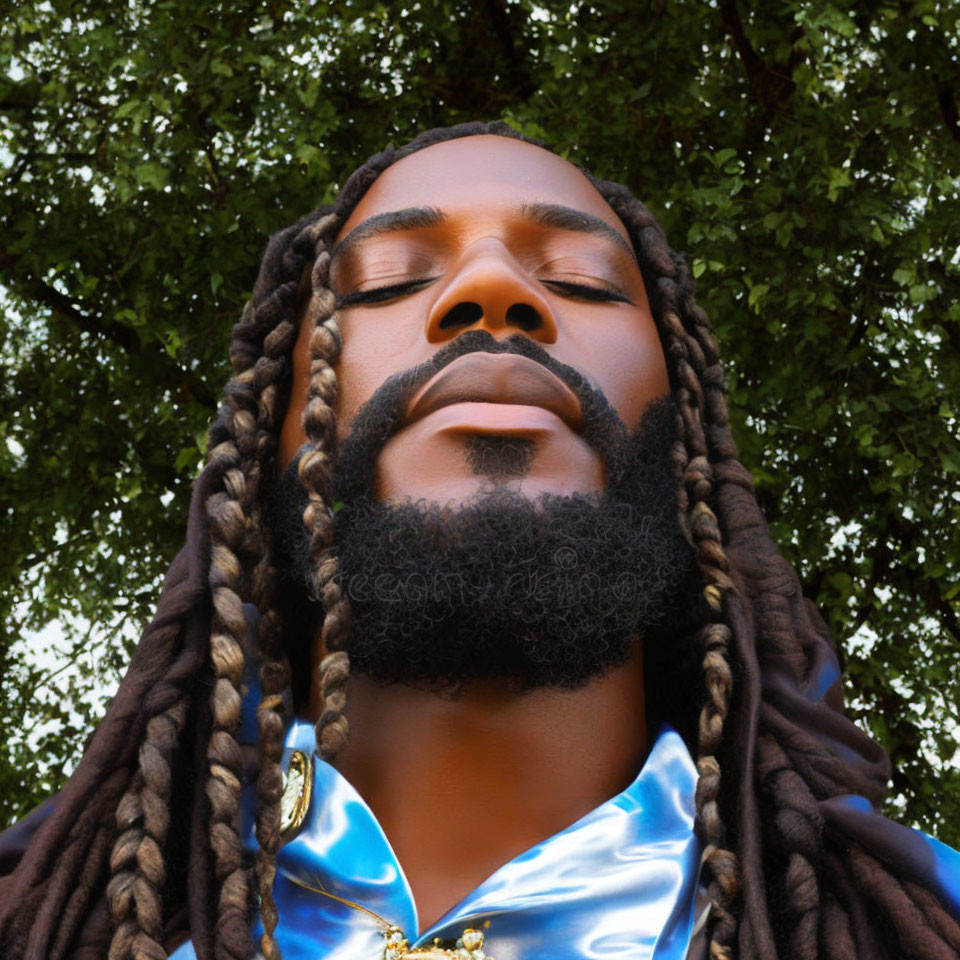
(376, 345)
(623, 357)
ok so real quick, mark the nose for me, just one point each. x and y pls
(489, 290)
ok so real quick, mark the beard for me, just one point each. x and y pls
(546, 592)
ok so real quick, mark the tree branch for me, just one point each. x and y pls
(515, 54)
(752, 64)
(124, 337)
(937, 607)
(771, 86)
(948, 107)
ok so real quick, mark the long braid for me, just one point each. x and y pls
(697, 381)
(700, 376)
(714, 645)
(239, 546)
(228, 510)
(78, 852)
(240, 569)
(143, 818)
(714, 636)
(797, 826)
(271, 371)
(319, 425)
(274, 682)
(86, 879)
(862, 936)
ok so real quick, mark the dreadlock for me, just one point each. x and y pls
(159, 785)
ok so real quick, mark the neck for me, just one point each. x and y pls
(463, 784)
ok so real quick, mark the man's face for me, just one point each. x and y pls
(486, 233)
(508, 500)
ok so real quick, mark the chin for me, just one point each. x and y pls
(456, 466)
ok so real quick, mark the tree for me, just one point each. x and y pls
(804, 155)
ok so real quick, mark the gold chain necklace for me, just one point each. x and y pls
(468, 947)
(294, 804)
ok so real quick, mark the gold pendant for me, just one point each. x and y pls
(468, 947)
(295, 802)
(294, 805)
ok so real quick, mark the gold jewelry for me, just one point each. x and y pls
(295, 801)
(294, 804)
(468, 947)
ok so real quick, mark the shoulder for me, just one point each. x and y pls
(911, 853)
(15, 840)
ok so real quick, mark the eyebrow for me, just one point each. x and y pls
(410, 218)
(545, 214)
(566, 218)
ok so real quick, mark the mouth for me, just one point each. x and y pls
(504, 378)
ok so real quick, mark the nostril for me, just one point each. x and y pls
(524, 316)
(462, 315)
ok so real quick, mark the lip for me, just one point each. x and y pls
(496, 378)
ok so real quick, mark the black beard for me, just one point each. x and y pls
(551, 592)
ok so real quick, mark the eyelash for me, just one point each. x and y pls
(585, 292)
(381, 294)
(582, 291)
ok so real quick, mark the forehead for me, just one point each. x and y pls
(471, 176)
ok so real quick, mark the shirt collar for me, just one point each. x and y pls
(620, 883)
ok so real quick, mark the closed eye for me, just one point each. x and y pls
(584, 291)
(381, 294)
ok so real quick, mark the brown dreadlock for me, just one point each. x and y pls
(150, 817)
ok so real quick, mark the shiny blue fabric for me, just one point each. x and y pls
(619, 884)
(946, 871)
(931, 863)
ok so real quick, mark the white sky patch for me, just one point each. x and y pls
(50, 652)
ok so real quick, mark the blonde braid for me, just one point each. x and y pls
(799, 811)
(243, 444)
(269, 371)
(319, 425)
(714, 636)
(227, 511)
(143, 818)
(137, 862)
(697, 379)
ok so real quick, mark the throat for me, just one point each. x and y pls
(463, 784)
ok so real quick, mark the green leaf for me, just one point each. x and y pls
(151, 175)
(722, 156)
(757, 293)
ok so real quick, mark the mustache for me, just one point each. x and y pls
(383, 414)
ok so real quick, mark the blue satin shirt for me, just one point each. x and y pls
(619, 884)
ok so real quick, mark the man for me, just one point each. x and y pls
(473, 531)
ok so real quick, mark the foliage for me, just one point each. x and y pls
(805, 155)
